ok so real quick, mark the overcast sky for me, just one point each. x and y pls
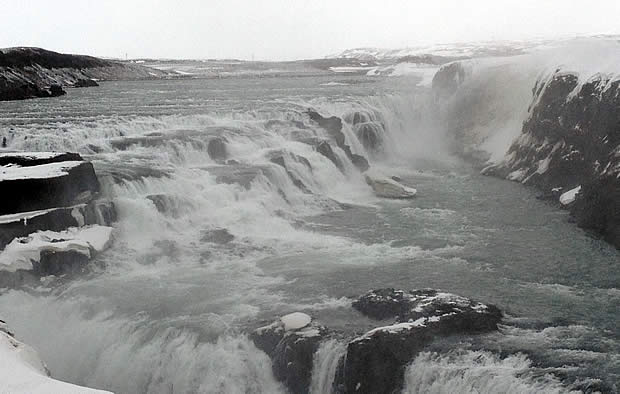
(287, 29)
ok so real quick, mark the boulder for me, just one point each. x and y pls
(218, 236)
(85, 83)
(376, 361)
(56, 90)
(388, 188)
(360, 162)
(217, 149)
(291, 342)
(32, 253)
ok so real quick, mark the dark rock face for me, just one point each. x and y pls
(78, 184)
(572, 138)
(95, 212)
(60, 263)
(85, 83)
(56, 90)
(447, 80)
(52, 198)
(217, 149)
(376, 361)
(219, 236)
(360, 162)
(29, 90)
(326, 150)
(334, 126)
(597, 208)
(278, 159)
(370, 134)
(291, 350)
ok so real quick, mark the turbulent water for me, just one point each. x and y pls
(167, 310)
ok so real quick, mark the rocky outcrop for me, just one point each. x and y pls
(369, 129)
(34, 72)
(333, 125)
(44, 186)
(217, 149)
(85, 83)
(388, 187)
(54, 223)
(291, 342)
(448, 78)
(376, 361)
(572, 139)
(218, 236)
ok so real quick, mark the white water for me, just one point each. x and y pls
(169, 311)
(477, 372)
(326, 361)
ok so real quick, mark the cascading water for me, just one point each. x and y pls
(168, 307)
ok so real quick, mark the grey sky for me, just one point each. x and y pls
(287, 29)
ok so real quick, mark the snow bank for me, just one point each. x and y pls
(21, 252)
(569, 196)
(22, 371)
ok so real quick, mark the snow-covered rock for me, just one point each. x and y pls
(291, 342)
(569, 139)
(17, 225)
(23, 372)
(45, 180)
(38, 251)
(376, 361)
(570, 196)
(384, 186)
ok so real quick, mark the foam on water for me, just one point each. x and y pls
(477, 372)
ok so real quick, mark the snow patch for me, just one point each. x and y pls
(21, 252)
(569, 196)
(295, 321)
(51, 170)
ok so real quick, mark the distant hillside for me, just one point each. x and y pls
(34, 72)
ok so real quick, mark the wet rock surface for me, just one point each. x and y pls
(375, 362)
(291, 342)
(53, 223)
(571, 139)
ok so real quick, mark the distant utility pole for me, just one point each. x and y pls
(126, 56)
(252, 57)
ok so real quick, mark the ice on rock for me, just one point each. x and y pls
(384, 186)
(51, 170)
(295, 321)
(21, 252)
(569, 196)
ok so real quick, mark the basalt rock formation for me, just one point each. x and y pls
(570, 143)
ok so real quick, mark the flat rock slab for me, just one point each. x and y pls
(29, 186)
